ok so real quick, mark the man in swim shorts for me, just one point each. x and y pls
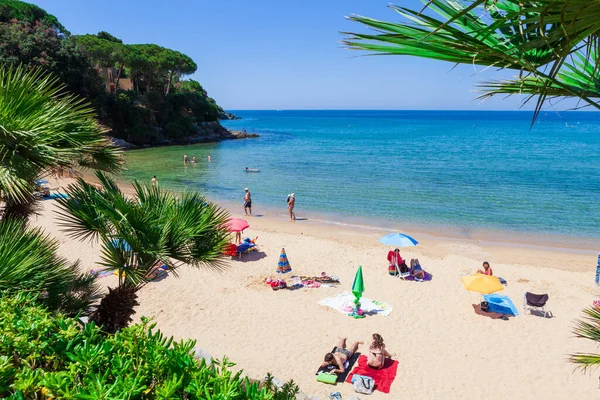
(247, 202)
(339, 357)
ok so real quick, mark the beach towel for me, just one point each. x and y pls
(344, 302)
(347, 366)
(383, 377)
(428, 277)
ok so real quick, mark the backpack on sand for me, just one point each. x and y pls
(363, 384)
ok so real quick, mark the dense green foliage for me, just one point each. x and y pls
(28, 13)
(158, 109)
(43, 127)
(140, 234)
(552, 44)
(52, 356)
(29, 263)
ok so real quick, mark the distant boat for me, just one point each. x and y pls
(252, 170)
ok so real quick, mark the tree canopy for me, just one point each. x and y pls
(28, 13)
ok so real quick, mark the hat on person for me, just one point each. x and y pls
(292, 194)
(246, 189)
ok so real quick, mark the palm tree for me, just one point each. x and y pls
(551, 44)
(29, 263)
(141, 234)
(44, 127)
(588, 328)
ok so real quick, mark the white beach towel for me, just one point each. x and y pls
(343, 301)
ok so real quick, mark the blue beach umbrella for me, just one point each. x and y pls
(398, 239)
(41, 182)
(119, 243)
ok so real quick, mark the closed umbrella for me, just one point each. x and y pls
(358, 287)
(484, 284)
(283, 266)
(236, 225)
(398, 239)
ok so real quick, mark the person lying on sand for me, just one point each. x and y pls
(341, 355)
(486, 269)
(415, 269)
(377, 353)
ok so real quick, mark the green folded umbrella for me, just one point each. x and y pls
(358, 287)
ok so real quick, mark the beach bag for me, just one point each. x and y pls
(403, 267)
(363, 384)
(485, 306)
(392, 270)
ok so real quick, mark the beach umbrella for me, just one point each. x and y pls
(41, 182)
(236, 225)
(484, 284)
(398, 239)
(358, 287)
(119, 243)
(283, 266)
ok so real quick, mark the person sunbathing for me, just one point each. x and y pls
(415, 269)
(377, 353)
(338, 358)
(487, 270)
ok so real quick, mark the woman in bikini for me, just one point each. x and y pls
(487, 270)
(377, 352)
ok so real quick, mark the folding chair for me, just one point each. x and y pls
(536, 302)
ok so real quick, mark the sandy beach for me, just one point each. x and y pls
(444, 348)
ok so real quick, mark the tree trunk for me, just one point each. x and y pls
(169, 83)
(118, 77)
(116, 308)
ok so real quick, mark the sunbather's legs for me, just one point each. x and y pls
(342, 343)
(354, 347)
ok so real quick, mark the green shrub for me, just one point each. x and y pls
(52, 356)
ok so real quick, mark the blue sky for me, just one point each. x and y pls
(283, 55)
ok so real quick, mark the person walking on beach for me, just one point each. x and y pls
(247, 202)
(154, 181)
(291, 202)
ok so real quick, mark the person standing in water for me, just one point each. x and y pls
(186, 160)
(209, 158)
(291, 202)
(194, 159)
(247, 202)
(154, 181)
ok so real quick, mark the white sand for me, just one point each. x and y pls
(445, 350)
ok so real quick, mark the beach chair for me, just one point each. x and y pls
(535, 302)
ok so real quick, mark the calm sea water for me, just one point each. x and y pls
(468, 170)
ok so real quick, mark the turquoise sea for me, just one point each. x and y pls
(469, 170)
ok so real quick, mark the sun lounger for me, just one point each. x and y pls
(535, 302)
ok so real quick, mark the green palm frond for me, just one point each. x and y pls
(42, 127)
(29, 263)
(553, 43)
(159, 227)
(588, 328)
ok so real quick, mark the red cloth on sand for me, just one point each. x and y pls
(383, 377)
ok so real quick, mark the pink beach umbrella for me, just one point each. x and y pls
(236, 225)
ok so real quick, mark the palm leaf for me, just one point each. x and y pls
(42, 127)
(588, 328)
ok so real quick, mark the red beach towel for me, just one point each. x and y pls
(383, 377)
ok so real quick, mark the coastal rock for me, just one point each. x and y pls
(224, 115)
(121, 143)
